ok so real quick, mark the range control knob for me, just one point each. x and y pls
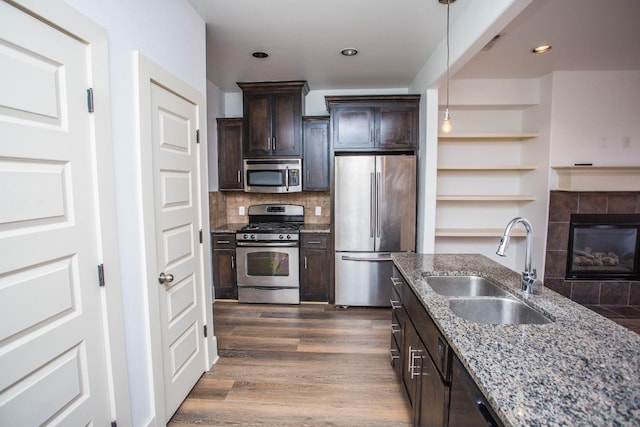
(254, 237)
(288, 236)
(281, 237)
(245, 237)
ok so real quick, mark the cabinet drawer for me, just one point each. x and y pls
(223, 241)
(428, 331)
(314, 241)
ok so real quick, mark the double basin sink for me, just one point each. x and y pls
(478, 299)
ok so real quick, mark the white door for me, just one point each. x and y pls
(53, 367)
(177, 217)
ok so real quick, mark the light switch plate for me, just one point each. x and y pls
(241, 211)
(318, 210)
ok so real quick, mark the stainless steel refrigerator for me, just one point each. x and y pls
(375, 214)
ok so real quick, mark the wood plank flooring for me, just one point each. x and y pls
(306, 365)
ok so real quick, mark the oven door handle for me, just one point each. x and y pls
(267, 245)
(368, 259)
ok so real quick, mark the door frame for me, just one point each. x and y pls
(61, 15)
(148, 73)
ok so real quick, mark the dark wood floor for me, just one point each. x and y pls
(307, 365)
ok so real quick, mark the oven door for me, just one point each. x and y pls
(268, 265)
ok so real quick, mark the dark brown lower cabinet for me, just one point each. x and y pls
(224, 266)
(315, 266)
(441, 391)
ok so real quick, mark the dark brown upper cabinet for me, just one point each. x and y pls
(316, 153)
(273, 118)
(371, 123)
(230, 175)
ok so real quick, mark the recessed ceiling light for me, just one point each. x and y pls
(260, 55)
(541, 49)
(350, 51)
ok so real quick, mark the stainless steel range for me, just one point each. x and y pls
(268, 253)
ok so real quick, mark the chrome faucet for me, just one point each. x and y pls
(529, 278)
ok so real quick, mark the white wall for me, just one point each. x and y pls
(173, 36)
(215, 109)
(592, 114)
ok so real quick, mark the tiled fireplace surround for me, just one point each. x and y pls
(561, 205)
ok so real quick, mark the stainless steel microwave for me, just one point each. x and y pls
(273, 175)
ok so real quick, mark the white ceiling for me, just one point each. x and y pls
(395, 38)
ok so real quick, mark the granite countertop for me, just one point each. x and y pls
(582, 369)
(307, 228)
(228, 228)
(316, 228)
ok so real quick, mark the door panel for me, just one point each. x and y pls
(363, 279)
(396, 200)
(354, 209)
(175, 162)
(53, 367)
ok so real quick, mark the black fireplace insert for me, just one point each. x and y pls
(604, 247)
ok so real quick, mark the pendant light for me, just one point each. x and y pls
(447, 127)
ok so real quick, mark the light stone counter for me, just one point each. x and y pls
(581, 370)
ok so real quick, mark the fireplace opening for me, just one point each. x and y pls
(604, 247)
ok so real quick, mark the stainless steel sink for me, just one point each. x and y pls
(500, 311)
(464, 286)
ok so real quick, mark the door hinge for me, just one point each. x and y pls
(90, 100)
(201, 235)
(101, 274)
(205, 331)
(197, 136)
(114, 424)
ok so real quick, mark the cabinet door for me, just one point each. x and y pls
(224, 266)
(434, 396)
(353, 128)
(397, 126)
(230, 154)
(412, 352)
(316, 155)
(314, 260)
(258, 117)
(287, 125)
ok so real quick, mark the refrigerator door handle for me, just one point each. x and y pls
(353, 258)
(372, 206)
(378, 200)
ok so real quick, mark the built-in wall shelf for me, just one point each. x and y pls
(485, 198)
(598, 178)
(487, 137)
(488, 168)
(477, 232)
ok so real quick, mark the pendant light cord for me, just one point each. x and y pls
(448, 5)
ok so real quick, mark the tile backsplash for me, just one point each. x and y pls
(224, 206)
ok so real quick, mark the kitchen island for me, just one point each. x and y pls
(581, 369)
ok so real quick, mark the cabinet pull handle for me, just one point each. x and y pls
(305, 263)
(222, 242)
(414, 355)
(239, 175)
(394, 330)
(396, 282)
(314, 242)
(394, 354)
(395, 304)
(372, 135)
(233, 262)
(274, 143)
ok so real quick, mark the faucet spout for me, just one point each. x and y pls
(529, 276)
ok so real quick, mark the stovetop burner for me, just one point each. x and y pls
(273, 227)
(272, 223)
